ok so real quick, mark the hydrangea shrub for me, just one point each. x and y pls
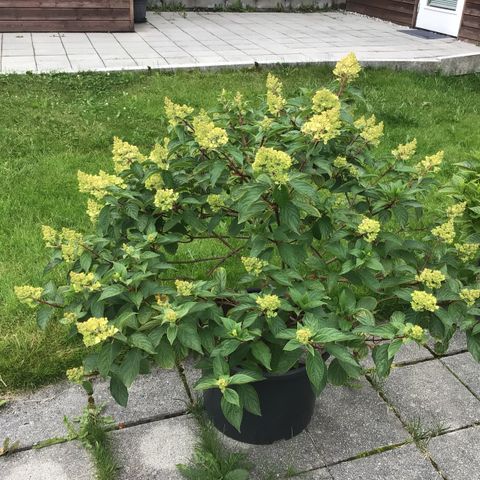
(338, 254)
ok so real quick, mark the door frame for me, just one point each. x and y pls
(415, 15)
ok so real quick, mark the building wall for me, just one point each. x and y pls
(470, 29)
(397, 11)
(66, 15)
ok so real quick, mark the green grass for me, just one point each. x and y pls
(54, 125)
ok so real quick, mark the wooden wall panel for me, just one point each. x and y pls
(66, 15)
(397, 11)
(470, 28)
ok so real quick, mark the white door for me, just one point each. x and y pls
(442, 16)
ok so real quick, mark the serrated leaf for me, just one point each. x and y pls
(262, 353)
(119, 391)
(142, 342)
(231, 396)
(111, 291)
(44, 314)
(130, 367)
(232, 413)
(317, 372)
(249, 398)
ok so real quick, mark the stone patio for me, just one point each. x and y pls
(356, 433)
(210, 40)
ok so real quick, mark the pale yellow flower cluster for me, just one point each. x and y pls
(269, 304)
(93, 209)
(184, 288)
(165, 199)
(371, 131)
(97, 185)
(170, 315)
(303, 335)
(405, 151)
(415, 332)
(431, 278)
(324, 99)
(50, 236)
(96, 330)
(71, 244)
(369, 228)
(274, 163)
(324, 126)
(162, 300)
(275, 100)
(222, 384)
(347, 69)
(69, 241)
(81, 282)
(457, 210)
(159, 154)
(69, 318)
(76, 375)
(216, 201)
(125, 154)
(342, 163)
(207, 135)
(176, 113)
(423, 301)
(470, 295)
(430, 164)
(445, 231)
(467, 251)
(254, 265)
(154, 181)
(266, 123)
(128, 249)
(28, 294)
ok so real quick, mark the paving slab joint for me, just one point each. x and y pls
(458, 378)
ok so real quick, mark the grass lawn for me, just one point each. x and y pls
(54, 125)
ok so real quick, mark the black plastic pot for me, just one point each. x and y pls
(286, 402)
(140, 11)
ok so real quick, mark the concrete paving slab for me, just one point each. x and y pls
(268, 38)
(467, 370)
(351, 421)
(403, 463)
(458, 344)
(456, 454)
(65, 461)
(429, 392)
(296, 455)
(38, 416)
(153, 451)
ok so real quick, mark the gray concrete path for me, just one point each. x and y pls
(203, 40)
(362, 433)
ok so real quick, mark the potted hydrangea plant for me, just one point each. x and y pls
(340, 258)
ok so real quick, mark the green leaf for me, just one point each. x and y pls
(336, 374)
(206, 382)
(165, 356)
(293, 345)
(288, 360)
(292, 255)
(130, 367)
(241, 378)
(86, 261)
(226, 348)
(220, 367)
(249, 398)
(44, 314)
(232, 413)
(188, 336)
(105, 359)
(327, 335)
(119, 391)
(382, 361)
(473, 345)
(317, 372)
(231, 396)
(142, 342)
(111, 291)
(290, 216)
(172, 333)
(262, 353)
(221, 278)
